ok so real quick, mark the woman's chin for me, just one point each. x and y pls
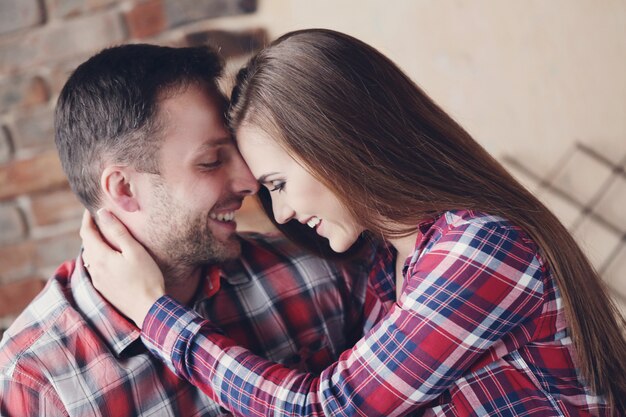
(340, 246)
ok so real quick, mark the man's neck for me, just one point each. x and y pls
(182, 284)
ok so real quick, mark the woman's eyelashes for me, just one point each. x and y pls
(276, 185)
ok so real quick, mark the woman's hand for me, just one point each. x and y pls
(122, 270)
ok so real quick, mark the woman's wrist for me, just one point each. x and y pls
(142, 308)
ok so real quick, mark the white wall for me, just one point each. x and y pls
(527, 78)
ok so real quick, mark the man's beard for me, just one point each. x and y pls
(181, 240)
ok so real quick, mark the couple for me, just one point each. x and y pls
(494, 309)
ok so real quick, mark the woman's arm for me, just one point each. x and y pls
(474, 285)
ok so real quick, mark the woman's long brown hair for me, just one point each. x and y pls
(364, 129)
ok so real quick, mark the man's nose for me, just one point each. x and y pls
(282, 212)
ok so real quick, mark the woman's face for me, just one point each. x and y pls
(295, 193)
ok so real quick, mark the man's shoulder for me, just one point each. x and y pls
(269, 260)
(261, 251)
(272, 257)
(274, 242)
(44, 322)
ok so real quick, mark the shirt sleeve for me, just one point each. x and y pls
(466, 290)
(21, 396)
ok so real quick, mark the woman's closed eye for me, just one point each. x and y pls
(276, 185)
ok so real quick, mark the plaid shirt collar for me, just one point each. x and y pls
(117, 332)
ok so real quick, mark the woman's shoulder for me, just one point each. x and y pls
(460, 218)
(461, 225)
(465, 243)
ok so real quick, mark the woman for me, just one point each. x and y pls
(497, 310)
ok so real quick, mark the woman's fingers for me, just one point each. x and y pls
(91, 235)
(114, 231)
(95, 249)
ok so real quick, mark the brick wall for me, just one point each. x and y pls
(41, 42)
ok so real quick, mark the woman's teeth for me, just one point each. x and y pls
(223, 217)
(313, 222)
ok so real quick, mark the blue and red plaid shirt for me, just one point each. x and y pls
(479, 330)
(72, 354)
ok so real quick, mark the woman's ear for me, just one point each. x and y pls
(117, 183)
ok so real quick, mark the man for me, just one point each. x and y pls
(140, 131)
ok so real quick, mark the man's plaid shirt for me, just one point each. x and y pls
(72, 354)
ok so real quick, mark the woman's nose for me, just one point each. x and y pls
(282, 212)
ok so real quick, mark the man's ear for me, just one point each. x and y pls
(118, 186)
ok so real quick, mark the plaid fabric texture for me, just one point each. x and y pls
(72, 354)
(479, 330)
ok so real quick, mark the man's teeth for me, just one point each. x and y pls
(313, 222)
(223, 217)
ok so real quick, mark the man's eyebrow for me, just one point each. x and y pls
(263, 177)
(213, 143)
(210, 143)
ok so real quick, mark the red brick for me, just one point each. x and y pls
(84, 35)
(6, 148)
(23, 259)
(55, 207)
(230, 44)
(247, 6)
(95, 32)
(66, 8)
(13, 55)
(53, 251)
(15, 296)
(39, 173)
(12, 226)
(22, 92)
(19, 14)
(146, 19)
(36, 94)
(61, 72)
(34, 130)
(179, 12)
(17, 260)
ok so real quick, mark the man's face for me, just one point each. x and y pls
(202, 182)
